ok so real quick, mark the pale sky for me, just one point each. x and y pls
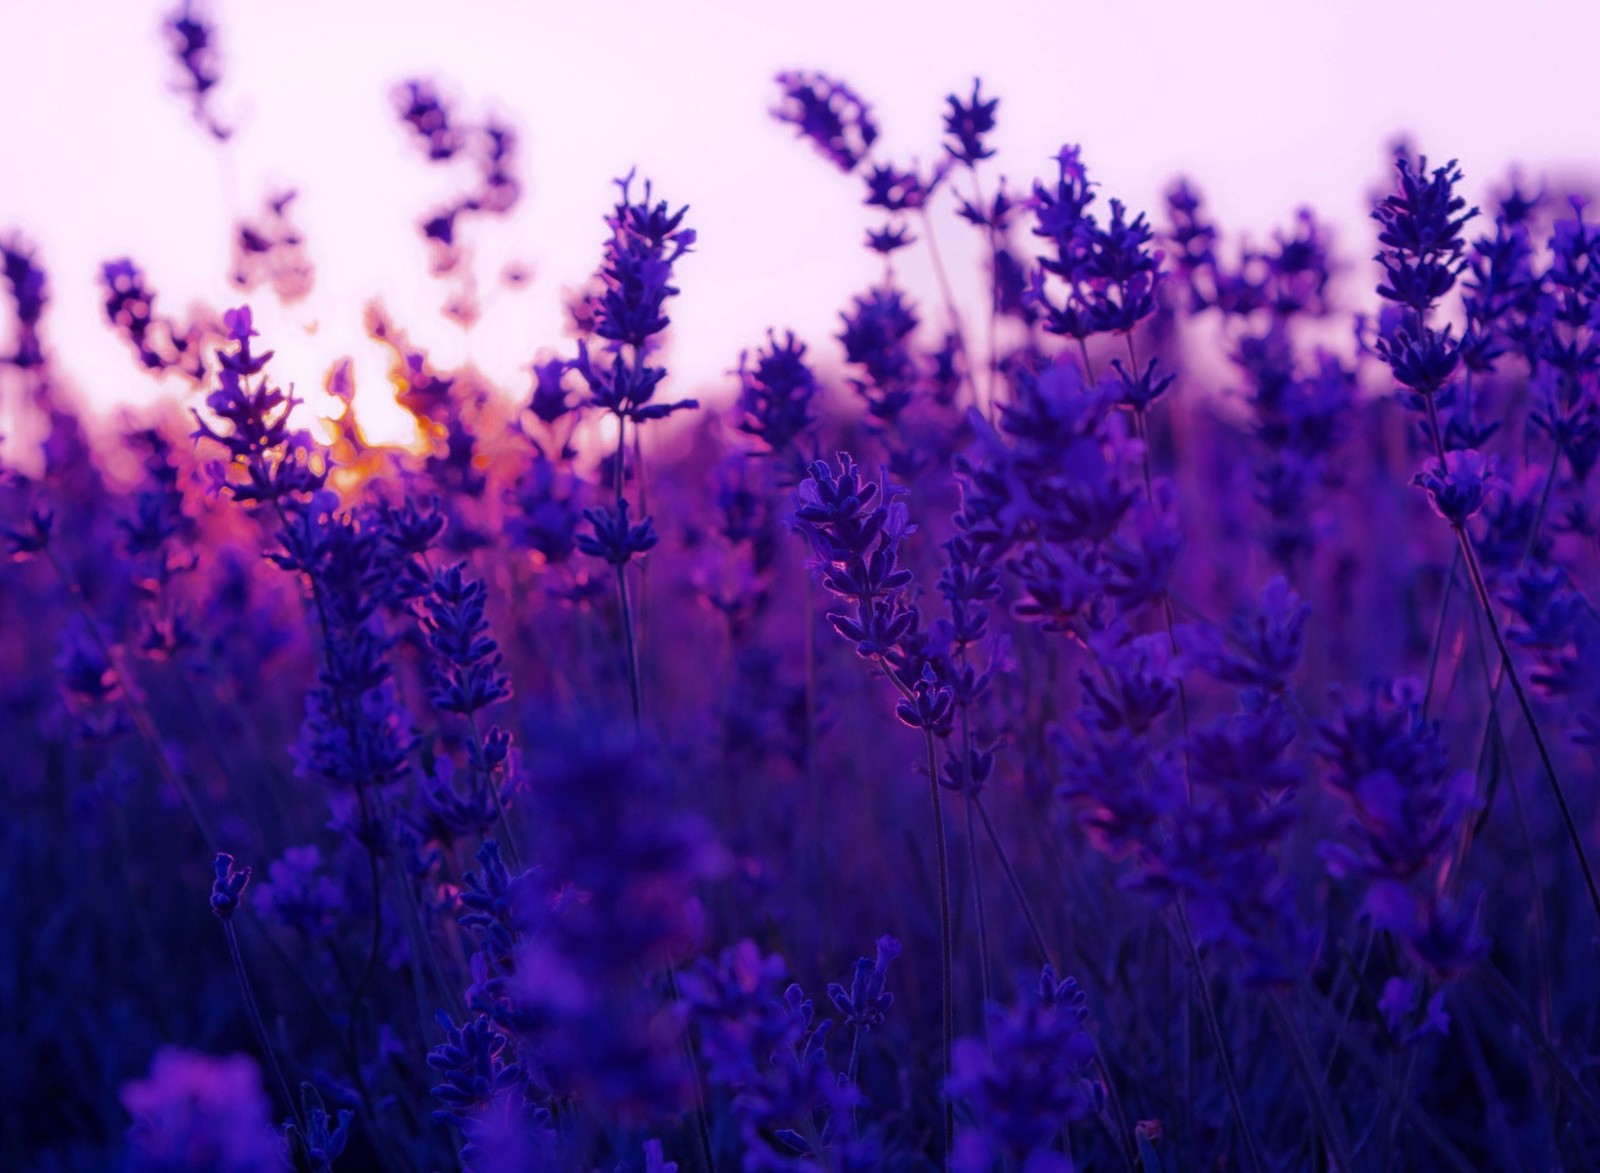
(1266, 104)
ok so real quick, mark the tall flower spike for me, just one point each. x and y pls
(1421, 223)
(646, 239)
(466, 664)
(777, 393)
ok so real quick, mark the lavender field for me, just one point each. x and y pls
(1134, 708)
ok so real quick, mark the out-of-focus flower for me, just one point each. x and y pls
(829, 113)
(966, 123)
(1027, 1082)
(197, 1113)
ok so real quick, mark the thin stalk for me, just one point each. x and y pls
(1494, 742)
(948, 293)
(1015, 884)
(983, 925)
(1114, 1102)
(287, 965)
(1141, 431)
(816, 800)
(947, 960)
(142, 720)
(258, 1023)
(1511, 674)
(1497, 1126)
(1541, 931)
(1437, 645)
(630, 650)
(1506, 995)
(947, 949)
(1332, 1127)
(1207, 1003)
(1491, 727)
(1470, 557)
(972, 851)
(1418, 1119)
(618, 469)
(371, 965)
(366, 1107)
(994, 306)
(1214, 1025)
(701, 1120)
(1350, 1006)
(625, 609)
(1544, 505)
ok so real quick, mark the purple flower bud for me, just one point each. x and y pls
(615, 539)
(1459, 488)
(228, 886)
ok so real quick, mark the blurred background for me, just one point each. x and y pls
(1265, 106)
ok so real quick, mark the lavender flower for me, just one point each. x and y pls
(192, 39)
(1421, 223)
(876, 338)
(228, 886)
(866, 1003)
(1029, 1082)
(615, 538)
(966, 124)
(1459, 487)
(199, 1112)
(28, 298)
(466, 659)
(1109, 274)
(829, 113)
(276, 461)
(777, 395)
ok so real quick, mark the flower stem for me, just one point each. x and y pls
(1511, 674)
(630, 650)
(946, 960)
(948, 293)
(257, 1022)
(1214, 1025)
(136, 709)
(947, 948)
